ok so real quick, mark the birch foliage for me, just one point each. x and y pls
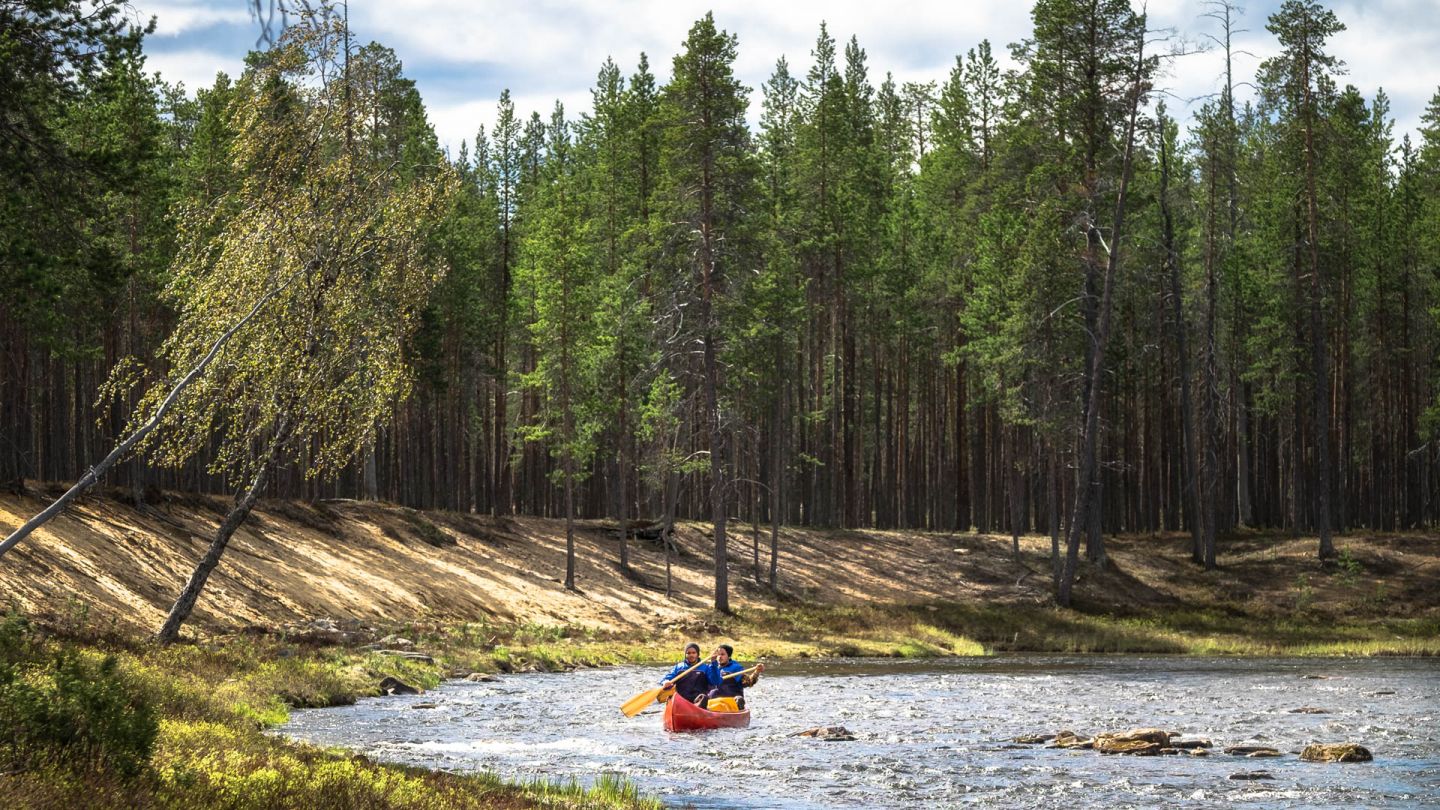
(338, 241)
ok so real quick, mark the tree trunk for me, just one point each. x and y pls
(667, 534)
(623, 479)
(372, 481)
(1318, 356)
(1090, 427)
(777, 475)
(569, 472)
(1053, 498)
(244, 502)
(1187, 411)
(1017, 504)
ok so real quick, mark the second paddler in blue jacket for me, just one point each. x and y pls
(693, 685)
(720, 665)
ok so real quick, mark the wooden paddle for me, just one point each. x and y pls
(634, 705)
(741, 672)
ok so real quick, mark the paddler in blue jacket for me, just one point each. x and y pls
(720, 665)
(692, 686)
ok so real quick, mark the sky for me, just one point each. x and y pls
(462, 53)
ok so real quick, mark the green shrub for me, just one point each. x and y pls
(1304, 594)
(1350, 568)
(74, 712)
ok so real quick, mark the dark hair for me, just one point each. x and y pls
(730, 651)
(694, 646)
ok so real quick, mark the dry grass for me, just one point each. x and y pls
(390, 567)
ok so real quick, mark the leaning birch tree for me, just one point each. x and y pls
(322, 252)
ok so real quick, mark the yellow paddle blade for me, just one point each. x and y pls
(634, 705)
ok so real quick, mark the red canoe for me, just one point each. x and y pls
(682, 715)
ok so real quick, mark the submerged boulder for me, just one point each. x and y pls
(1251, 775)
(1069, 739)
(1336, 752)
(1250, 750)
(1191, 745)
(827, 733)
(1034, 739)
(1309, 710)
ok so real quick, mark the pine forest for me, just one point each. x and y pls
(1051, 300)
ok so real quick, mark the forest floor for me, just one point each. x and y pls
(385, 566)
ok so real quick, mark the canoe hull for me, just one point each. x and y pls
(682, 715)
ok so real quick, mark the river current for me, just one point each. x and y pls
(938, 733)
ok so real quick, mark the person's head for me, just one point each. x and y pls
(723, 653)
(692, 653)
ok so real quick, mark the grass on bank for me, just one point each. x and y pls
(966, 629)
(114, 722)
(923, 631)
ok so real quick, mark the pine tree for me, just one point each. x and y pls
(708, 194)
(560, 273)
(1294, 81)
(508, 169)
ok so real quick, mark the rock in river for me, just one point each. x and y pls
(1068, 739)
(827, 733)
(390, 685)
(1248, 750)
(1336, 752)
(1190, 745)
(1137, 741)
(1034, 739)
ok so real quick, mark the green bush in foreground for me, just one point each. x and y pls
(69, 709)
(184, 726)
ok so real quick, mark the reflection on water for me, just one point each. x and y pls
(938, 732)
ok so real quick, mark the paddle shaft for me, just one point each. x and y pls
(741, 672)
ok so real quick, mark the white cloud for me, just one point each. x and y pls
(1381, 50)
(463, 53)
(554, 49)
(459, 120)
(194, 68)
(179, 17)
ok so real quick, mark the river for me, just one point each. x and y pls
(937, 732)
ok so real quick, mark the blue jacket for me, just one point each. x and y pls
(692, 685)
(719, 685)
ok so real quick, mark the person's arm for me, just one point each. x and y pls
(670, 676)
